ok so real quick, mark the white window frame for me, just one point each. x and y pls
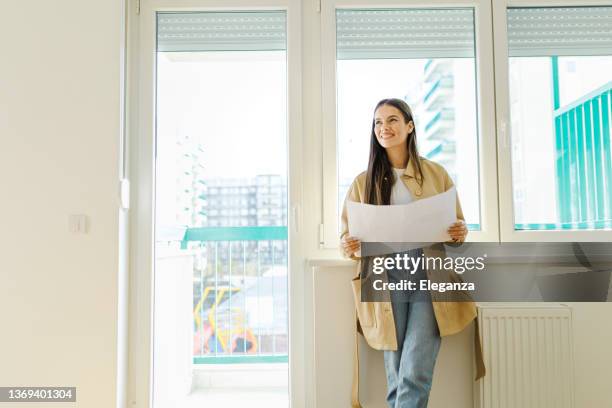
(485, 112)
(141, 128)
(506, 199)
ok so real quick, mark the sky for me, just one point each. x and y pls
(235, 106)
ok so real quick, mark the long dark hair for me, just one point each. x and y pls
(380, 177)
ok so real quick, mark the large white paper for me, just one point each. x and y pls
(425, 220)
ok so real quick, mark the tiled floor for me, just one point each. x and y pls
(228, 398)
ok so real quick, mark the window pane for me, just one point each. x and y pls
(425, 57)
(560, 93)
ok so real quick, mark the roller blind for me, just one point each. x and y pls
(404, 33)
(221, 31)
(560, 31)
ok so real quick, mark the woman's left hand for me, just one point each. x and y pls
(458, 231)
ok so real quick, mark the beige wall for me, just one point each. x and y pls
(59, 129)
(592, 324)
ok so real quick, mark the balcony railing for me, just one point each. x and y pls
(584, 161)
(240, 292)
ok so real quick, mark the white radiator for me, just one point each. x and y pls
(528, 354)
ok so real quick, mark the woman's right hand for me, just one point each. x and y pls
(350, 245)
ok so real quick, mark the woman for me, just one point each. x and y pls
(410, 332)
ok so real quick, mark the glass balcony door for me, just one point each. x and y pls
(221, 230)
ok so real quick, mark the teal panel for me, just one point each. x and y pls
(569, 184)
(582, 182)
(559, 168)
(555, 81)
(583, 163)
(597, 136)
(573, 168)
(598, 162)
(236, 234)
(567, 198)
(591, 159)
(435, 151)
(590, 225)
(606, 110)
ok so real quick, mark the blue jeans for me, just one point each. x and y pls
(410, 369)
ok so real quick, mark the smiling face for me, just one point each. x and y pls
(390, 127)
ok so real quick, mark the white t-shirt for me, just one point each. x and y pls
(400, 193)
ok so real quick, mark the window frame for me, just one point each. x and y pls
(502, 103)
(141, 84)
(485, 112)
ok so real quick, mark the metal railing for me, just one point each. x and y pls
(240, 293)
(584, 161)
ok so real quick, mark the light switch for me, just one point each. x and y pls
(77, 223)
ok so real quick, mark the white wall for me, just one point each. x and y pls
(59, 138)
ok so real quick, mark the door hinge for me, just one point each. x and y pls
(318, 5)
(137, 7)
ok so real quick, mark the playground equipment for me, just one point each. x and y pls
(224, 330)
